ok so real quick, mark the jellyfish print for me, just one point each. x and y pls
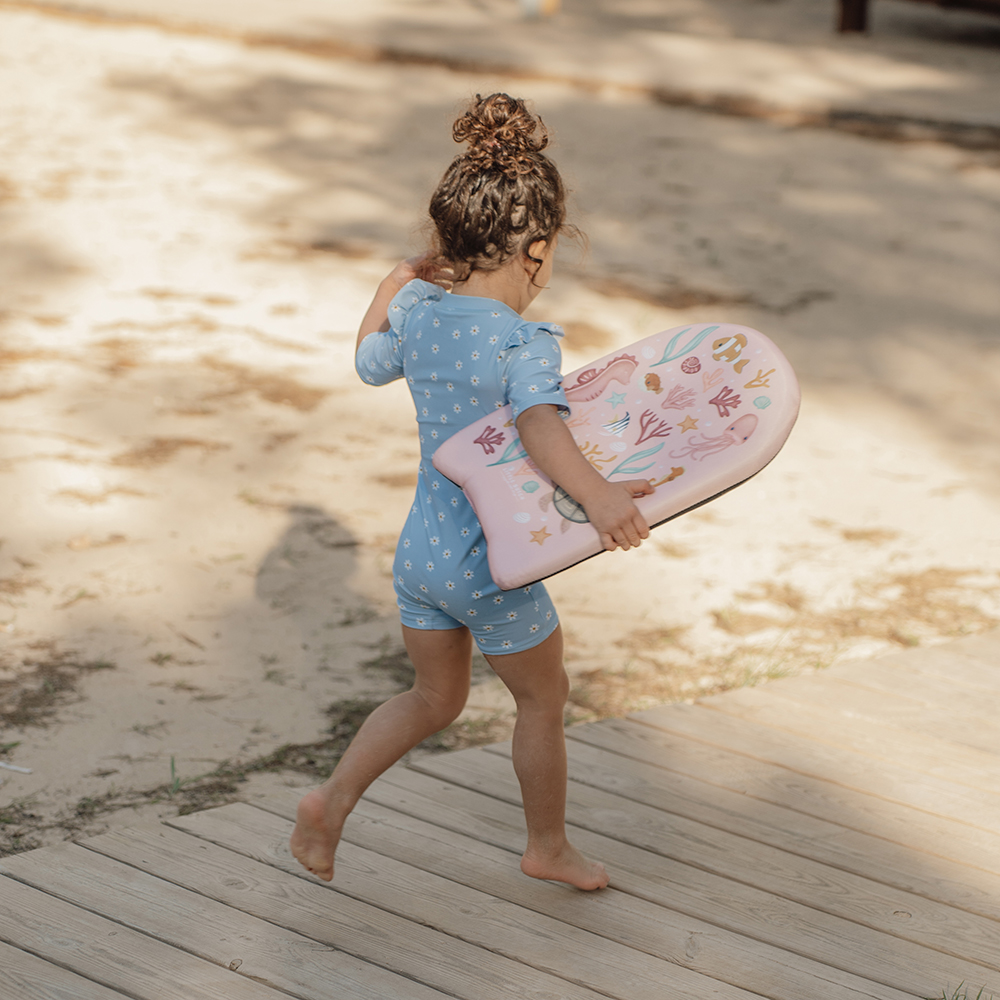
(738, 432)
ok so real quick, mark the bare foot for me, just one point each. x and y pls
(315, 838)
(568, 865)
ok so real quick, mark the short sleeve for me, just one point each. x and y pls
(533, 370)
(380, 355)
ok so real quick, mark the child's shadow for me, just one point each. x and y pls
(307, 573)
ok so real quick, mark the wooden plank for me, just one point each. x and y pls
(853, 768)
(757, 760)
(25, 977)
(766, 749)
(984, 647)
(844, 728)
(641, 925)
(476, 917)
(111, 954)
(949, 663)
(648, 776)
(203, 927)
(937, 690)
(316, 910)
(808, 901)
(826, 692)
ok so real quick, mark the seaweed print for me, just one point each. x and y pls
(489, 439)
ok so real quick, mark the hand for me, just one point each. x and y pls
(616, 517)
(425, 266)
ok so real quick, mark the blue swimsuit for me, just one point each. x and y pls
(462, 357)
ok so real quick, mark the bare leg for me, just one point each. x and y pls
(539, 684)
(443, 662)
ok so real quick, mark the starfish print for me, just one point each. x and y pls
(688, 424)
(540, 536)
(616, 399)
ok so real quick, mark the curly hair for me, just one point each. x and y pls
(502, 194)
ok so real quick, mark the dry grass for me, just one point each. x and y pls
(160, 450)
(397, 480)
(47, 679)
(281, 389)
(15, 586)
(93, 499)
(786, 633)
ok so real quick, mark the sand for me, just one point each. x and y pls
(199, 500)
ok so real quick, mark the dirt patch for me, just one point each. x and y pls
(15, 586)
(681, 296)
(118, 356)
(785, 633)
(902, 608)
(281, 389)
(52, 683)
(9, 397)
(10, 357)
(93, 499)
(397, 480)
(160, 450)
(43, 684)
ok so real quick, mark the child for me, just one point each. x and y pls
(497, 214)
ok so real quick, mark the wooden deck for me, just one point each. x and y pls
(818, 838)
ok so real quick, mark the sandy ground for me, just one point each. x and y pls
(199, 501)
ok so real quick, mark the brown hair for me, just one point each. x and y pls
(502, 194)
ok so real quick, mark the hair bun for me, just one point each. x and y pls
(501, 133)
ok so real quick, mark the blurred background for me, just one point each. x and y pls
(199, 501)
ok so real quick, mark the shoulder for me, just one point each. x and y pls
(413, 293)
(409, 297)
(534, 336)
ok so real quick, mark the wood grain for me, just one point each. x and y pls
(480, 918)
(788, 770)
(189, 921)
(648, 776)
(688, 867)
(111, 954)
(318, 911)
(25, 977)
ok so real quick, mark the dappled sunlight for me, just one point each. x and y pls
(206, 497)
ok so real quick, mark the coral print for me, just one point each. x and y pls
(725, 401)
(489, 439)
(652, 426)
(678, 398)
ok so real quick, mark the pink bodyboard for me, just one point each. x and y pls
(697, 409)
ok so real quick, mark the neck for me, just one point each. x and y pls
(509, 284)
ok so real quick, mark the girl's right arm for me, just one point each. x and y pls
(608, 505)
(423, 266)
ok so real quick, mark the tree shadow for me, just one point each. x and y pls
(873, 264)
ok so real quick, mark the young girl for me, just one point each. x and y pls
(497, 214)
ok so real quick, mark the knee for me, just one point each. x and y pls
(443, 707)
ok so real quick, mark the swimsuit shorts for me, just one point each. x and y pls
(501, 621)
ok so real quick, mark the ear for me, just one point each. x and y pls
(537, 250)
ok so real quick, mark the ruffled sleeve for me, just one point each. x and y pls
(380, 355)
(533, 365)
